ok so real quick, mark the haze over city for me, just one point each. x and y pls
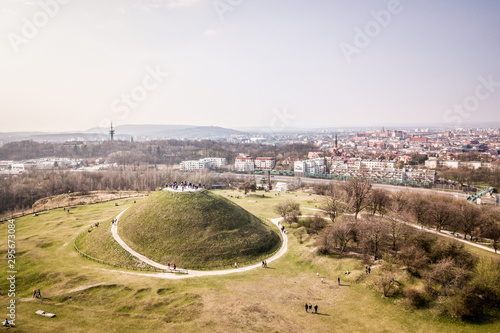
(73, 65)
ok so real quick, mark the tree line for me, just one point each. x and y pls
(151, 152)
(19, 192)
(465, 175)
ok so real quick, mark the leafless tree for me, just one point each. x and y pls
(440, 213)
(373, 231)
(339, 235)
(357, 191)
(288, 210)
(418, 208)
(468, 219)
(333, 203)
(379, 201)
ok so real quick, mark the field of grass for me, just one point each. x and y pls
(90, 297)
(196, 230)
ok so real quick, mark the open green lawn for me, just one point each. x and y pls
(90, 297)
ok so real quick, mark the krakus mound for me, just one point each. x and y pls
(196, 230)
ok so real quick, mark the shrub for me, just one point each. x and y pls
(416, 298)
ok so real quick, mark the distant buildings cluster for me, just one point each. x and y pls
(356, 167)
(435, 163)
(16, 167)
(207, 162)
(248, 163)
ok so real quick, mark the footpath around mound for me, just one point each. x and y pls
(193, 273)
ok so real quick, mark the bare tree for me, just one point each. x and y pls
(288, 210)
(468, 219)
(373, 232)
(338, 235)
(357, 191)
(400, 201)
(418, 208)
(491, 227)
(440, 213)
(315, 224)
(396, 229)
(248, 186)
(379, 201)
(334, 204)
(415, 259)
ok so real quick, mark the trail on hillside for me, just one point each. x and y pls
(192, 273)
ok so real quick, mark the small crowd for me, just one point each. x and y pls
(183, 185)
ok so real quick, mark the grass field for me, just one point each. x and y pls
(90, 297)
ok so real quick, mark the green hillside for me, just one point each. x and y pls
(196, 230)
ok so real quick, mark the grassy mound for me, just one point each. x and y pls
(196, 230)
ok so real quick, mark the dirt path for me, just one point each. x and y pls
(192, 273)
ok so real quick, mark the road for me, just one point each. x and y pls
(453, 194)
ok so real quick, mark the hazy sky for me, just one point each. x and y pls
(74, 65)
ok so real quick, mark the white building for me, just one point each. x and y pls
(281, 187)
(208, 162)
(214, 162)
(264, 163)
(315, 165)
(244, 163)
(434, 163)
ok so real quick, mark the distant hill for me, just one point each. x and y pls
(195, 230)
(125, 132)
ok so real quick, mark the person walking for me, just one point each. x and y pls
(310, 308)
(174, 267)
(316, 308)
(34, 293)
(38, 294)
(235, 265)
(369, 270)
(338, 280)
(307, 307)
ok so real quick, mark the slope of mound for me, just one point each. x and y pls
(195, 230)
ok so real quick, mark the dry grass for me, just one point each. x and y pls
(260, 300)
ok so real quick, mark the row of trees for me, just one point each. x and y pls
(464, 175)
(150, 152)
(18, 192)
(436, 211)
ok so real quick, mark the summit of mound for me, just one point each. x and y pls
(196, 230)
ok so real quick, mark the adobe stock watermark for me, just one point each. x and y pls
(222, 7)
(31, 26)
(372, 29)
(280, 120)
(471, 103)
(138, 94)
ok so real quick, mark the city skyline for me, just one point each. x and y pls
(70, 66)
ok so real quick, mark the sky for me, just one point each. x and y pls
(70, 65)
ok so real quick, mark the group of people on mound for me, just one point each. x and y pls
(183, 185)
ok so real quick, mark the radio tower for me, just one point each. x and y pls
(111, 132)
